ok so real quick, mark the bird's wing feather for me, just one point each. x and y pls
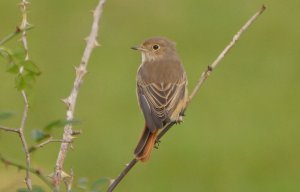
(158, 101)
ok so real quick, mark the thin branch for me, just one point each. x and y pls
(24, 24)
(4, 128)
(201, 80)
(24, 143)
(236, 37)
(15, 33)
(115, 182)
(37, 172)
(49, 140)
(70, 101)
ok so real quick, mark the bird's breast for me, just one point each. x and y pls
(161, 71)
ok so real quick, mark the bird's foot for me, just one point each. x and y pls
(179, 120)
(156, 145)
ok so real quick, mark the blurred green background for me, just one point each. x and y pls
(241, 132)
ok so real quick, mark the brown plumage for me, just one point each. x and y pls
(161, 90)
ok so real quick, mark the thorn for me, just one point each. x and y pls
(71, 147)
(66, 101)
(80, 70)
(65, 175)
(96, 44)
(111, 181)
(51, 175)
(72, 137)
(75, 132)
(24, 4)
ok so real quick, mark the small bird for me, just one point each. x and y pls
(161, 90)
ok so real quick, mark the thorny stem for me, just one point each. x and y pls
(24, 24)
(70, 101)
(201, 80)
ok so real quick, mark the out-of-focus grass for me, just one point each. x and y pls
(241, 132)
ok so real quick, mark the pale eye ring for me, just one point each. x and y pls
(155, 47)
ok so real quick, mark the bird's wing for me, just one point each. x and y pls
(159, 100)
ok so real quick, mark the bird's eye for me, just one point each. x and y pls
(155, 47)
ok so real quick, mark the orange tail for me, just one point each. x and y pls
(145, 145)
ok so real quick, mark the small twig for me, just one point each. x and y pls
(201, 80)
(24, 143)
(70, 101)
(15, 33)
(4, 128)
(49, 140)
(37, 172)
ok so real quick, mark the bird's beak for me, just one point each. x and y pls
(138, 48)
(135, 47)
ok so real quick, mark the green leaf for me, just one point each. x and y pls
(39, 135)
(99, 184)
(30, 67)
(20, 82)
(29, 78)
(5, 115)
(12, 68)
(24, 80)
(60, 123)
(18, 53)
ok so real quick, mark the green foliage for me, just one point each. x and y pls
(35, 188)
(38, 135)
(25, 71)
(60, 123)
